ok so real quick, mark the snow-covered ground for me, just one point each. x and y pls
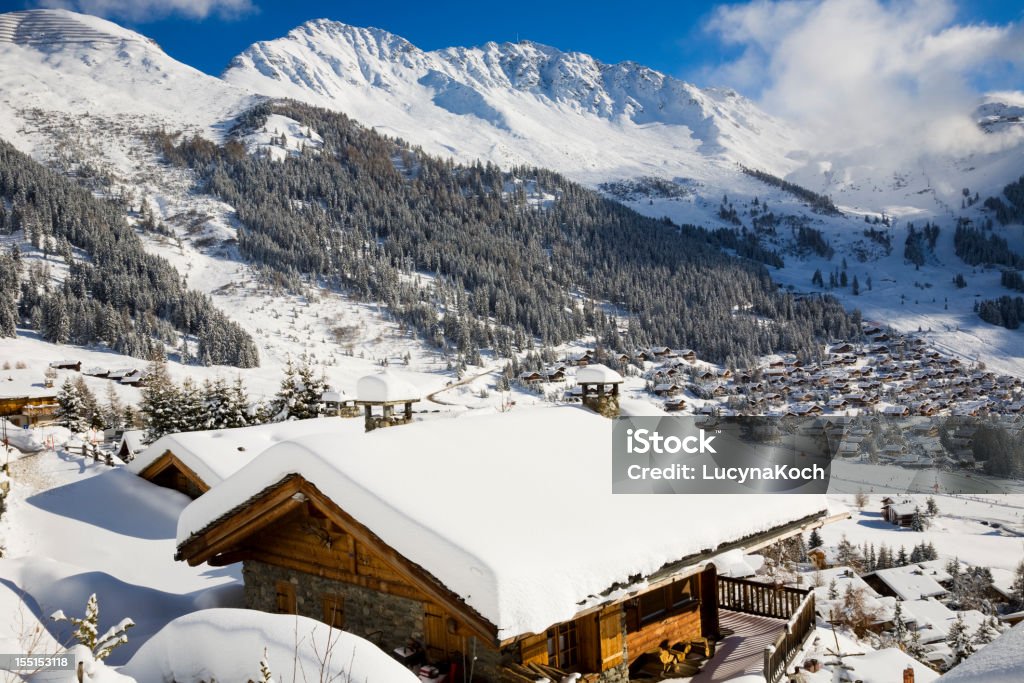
(957, 531)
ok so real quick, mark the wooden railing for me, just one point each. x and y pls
(795, 605)
(798, 628)
(762, 599)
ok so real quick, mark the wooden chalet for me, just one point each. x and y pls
(194, 462)
(25, 400)
(359, 538)
(75, 365)
(385, 391)
(899, 513)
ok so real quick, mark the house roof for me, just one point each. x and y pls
(935, 619)
(215, 454)
(24, 383)
(1001, 661)
(385, 387)
(518, 520)
(913, 582)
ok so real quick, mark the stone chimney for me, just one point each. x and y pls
(599, 389)
(380, 394)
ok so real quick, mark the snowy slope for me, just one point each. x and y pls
(54, 60)
(515, 103)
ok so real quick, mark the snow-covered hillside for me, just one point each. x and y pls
(515, 103)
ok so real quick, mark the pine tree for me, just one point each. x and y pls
(282, 404)
(917, 521)
(161, 402)
(192, 413)
(959, 640)
(1017, 587)
(815, 539)
(899, 627)
(71, 411)
(833, 590)
(901, 557)
(113, 410)
(986, 632)
(932, 507)
(91, 412)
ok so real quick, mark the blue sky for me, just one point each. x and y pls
(669, 36)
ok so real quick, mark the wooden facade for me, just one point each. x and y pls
(170, 472)
(29, 411)
(293, 526)
(333, 558)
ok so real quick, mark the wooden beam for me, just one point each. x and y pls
(168, 459)
(415, 574)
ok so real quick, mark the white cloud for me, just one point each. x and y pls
(148, 10)
(856, 72)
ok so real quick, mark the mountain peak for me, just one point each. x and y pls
(50, 29)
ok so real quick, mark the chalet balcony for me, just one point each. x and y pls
(759, 630)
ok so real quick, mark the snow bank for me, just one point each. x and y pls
(513, 512)
(215, 454)
(228, 644)
(25, 440)
(385, 387)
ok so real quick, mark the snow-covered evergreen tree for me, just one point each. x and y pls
(112, 410)
(71, 410)
(917, 521)
(161, 402)
(301, 394)
(959, 640)
(1017, 587)
(193, 415)
(815, 539)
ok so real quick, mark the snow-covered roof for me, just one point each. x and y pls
(216, 454)
(385, 387)
(935, 619)
(913, 581)
(545, 536)
(596, 373)
(24, 383)
(132, 439)
(335, 396)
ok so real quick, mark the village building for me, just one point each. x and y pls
(27, 398)
(194, 462)
(508, 551)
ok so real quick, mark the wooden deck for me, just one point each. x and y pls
(742, 652)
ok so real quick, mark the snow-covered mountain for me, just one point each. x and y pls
(75, 87)
(61, 62)
(514, 103)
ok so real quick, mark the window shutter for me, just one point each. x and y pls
(534, 649)
(610, 627)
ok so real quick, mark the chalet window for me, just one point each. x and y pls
(285, 597)
(563, 646)
(660, 603)
(334, 611)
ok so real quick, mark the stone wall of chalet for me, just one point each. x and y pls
(366, 611)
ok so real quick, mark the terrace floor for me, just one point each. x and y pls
(741, 653)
